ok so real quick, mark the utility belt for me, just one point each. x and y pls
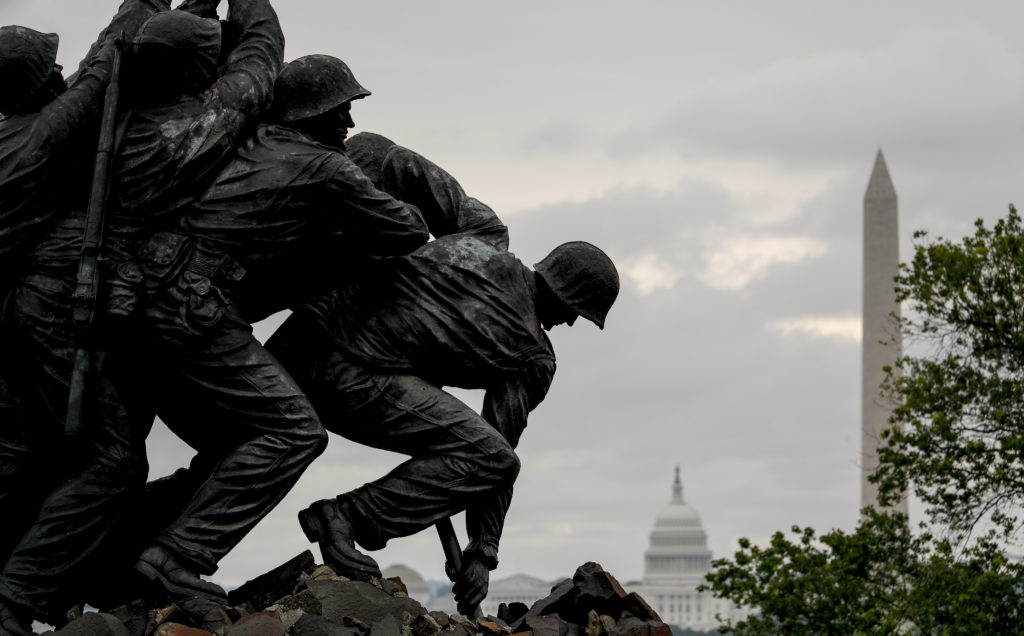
(177, 278)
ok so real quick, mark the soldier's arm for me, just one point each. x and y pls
(201, 8)
(247, 80)
(83, 100)
(506, 408)
(371, 220)
(230, 108)
(411, 177)
(128, 19)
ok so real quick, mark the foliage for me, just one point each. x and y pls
(960, 413)
(880, 579)
(957, 440)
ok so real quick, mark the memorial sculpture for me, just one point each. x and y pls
(220, 212)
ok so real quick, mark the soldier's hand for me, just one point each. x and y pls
(201, 8)
(471, 588)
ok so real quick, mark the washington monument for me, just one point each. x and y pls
(880, 343)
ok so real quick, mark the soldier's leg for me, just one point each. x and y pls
(233, 401)
(92, 480)
(456, 457)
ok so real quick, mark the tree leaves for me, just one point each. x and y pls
(957, 440)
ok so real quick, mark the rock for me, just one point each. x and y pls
(305, 600)
(637, 606)
(279, 582)
(134, 616)
(512, 612)
(424, 625)
(357, 625)
(162, 615)
(361, 601)
(322, 573)
(550, 625)
(310, 625)
(202, 613)
(393, 587)
(459, 630)
(493, 626)
(397, 580)
(561, 599)
(259, 624)
(177, 629)
(594, 589)
(388, 625)
(630, 625)
(594, 625)
(442, 619)
(94, 624)
(459, 619)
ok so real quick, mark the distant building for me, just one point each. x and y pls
(881, 341)
(419, 589)
(518, 588)
(676, 562)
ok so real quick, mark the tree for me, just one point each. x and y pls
(960, 407)
(880, 579)
(957, 441)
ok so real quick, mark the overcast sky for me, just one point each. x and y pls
(719, 152)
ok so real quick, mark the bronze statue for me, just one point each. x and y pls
(374, 355)
(222, 212)
(157, 173)
(45, 130)
(286, 211)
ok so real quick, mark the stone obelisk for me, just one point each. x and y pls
(880, 344)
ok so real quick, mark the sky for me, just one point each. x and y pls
(719, 152)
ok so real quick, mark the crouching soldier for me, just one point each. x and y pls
(461, 311)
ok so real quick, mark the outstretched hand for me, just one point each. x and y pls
(471, 585)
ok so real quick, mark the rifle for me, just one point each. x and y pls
(88, 280)
(453, 553)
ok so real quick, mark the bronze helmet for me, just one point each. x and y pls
(313, 85)
(27, 58)
(583, 277)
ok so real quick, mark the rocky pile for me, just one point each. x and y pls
(300, 598)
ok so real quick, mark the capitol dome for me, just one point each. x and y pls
(417, 587)
(678, 551)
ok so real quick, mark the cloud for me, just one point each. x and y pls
(650, 272)
(936, 90)
(734, 262)
(841, 328)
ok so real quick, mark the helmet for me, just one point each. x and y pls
(368, 151)
(313, 85)
(27, 58)
(176, 51)
(582, 277)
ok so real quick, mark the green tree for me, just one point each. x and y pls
(835, 584)
(960, 439)
(958, 444)
(880, 579)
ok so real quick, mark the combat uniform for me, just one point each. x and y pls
(166, 157)
(45, 165)
(290, 212)
(374, 354)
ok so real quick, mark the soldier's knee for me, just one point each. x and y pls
(505, 465)
(312, 438)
